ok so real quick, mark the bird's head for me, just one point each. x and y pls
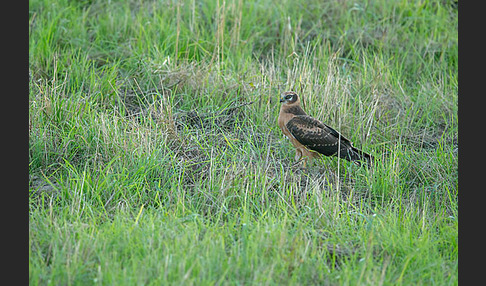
(289, 97)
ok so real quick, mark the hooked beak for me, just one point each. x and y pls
(282, 100)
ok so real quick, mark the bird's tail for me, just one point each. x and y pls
(356, 156)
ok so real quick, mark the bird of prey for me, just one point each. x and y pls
(311, 137)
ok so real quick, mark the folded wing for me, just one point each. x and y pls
(321, 138)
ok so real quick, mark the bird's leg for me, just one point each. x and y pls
(298, 155)
(298, 158)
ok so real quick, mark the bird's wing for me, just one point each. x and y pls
(316, 135)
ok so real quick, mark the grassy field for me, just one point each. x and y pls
(155, 157)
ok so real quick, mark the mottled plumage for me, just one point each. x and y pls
(311, 137)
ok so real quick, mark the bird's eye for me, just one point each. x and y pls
(288, 96)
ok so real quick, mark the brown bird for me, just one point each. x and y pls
(311, 137)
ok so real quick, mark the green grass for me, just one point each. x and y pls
(148, 165)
